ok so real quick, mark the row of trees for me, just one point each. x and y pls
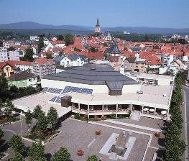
(174, 145)
(37, 153)
(45, 125)
(68, 38)
(12, 92)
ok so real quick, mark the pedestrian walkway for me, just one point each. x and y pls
(135, 115)
(133, 125)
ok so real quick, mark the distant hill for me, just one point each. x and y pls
(34, 25)
(141, 30)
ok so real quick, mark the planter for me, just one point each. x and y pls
(157, 134)
(80, 152)
(98, 132)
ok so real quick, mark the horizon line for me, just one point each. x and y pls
(93, 26)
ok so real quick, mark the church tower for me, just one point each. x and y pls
(97, 27)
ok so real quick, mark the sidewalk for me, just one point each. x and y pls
(133, 125)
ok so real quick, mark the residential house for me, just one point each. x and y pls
(23, 79)
(43, 66)
(6, 55)
(73, 60)
(6, 69)
(135, 64)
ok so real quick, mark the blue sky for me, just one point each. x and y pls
(151, 13)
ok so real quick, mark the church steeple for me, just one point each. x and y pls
(97, 22)
(97, 27)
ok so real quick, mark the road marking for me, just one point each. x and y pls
(185, 125)
(124, 129)
(91, 143)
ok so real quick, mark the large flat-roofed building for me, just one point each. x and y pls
(97, 90)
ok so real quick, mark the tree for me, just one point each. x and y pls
(3, 88)
(36, 152)
(42, 122)
(93, 158)
(40, 43)
(52, 116)
(69, 39)
(49, 56)
(11, 48)
(1, 134)
(14, 91)
(61, 155)
(60, 37)
(16, 144)
(28, 117)
(28, 55)
(146, 38)
(17, 157)
(9, 107)
(37, 111)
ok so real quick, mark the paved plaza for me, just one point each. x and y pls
(77, 135)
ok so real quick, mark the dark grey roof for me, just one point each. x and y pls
(136, 49)
(113, 49)
(91, 74)
(115, 85)
(131, 59)
(21, 76)
(58, 58)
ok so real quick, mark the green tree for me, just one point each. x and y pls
(93, 158)
(52, 116)
(37, 111)
(61, 155)
(36, 152)
(8, 107)
(17, 157)
(1, 134)
(3, 88)
(28, 117)
(41, 43)
(49, 55)
(42, 122)
(69, 39)
(16, 144)
(28, 55)
(60, 37)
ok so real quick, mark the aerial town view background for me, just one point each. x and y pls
(99, 80)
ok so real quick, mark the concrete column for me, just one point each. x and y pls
(102, 107)
(116, 110)
(131, 107)
(88, 111)
(103, 110)
(142, 109)
(79, 107)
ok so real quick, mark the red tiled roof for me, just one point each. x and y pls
(42, 61)
(151, 58)
(3, 64)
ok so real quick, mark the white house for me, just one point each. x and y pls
(9, 55)
(73, 60)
